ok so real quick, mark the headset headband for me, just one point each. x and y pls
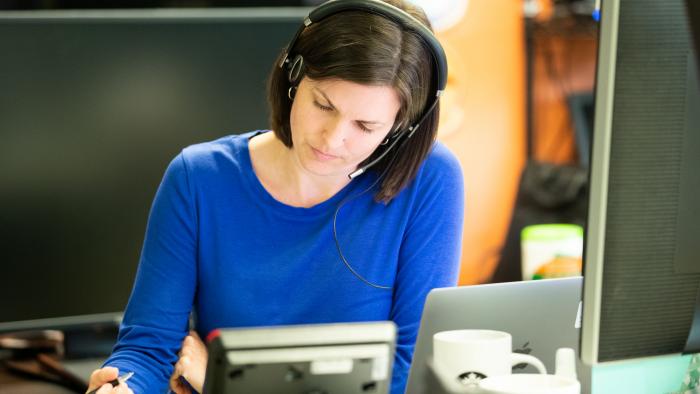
(388, 11)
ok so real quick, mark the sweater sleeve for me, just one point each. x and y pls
(430, 253)
(156, 318)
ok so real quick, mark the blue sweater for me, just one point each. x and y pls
(219, 244)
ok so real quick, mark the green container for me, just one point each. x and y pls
(541, 243)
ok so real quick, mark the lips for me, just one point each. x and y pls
(322, 156)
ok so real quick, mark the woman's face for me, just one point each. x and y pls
(337, 124)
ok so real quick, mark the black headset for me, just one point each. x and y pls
(294, 64)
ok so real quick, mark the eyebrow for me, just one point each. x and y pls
(330, 103)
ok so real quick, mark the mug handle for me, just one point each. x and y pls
(518, 358)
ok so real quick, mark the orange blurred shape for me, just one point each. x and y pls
(559, 267)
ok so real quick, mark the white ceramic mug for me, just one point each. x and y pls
(529, 384)
(472, 355)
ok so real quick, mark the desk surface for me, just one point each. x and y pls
(15, 384)
(12, 381)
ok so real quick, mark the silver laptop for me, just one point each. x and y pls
(541, 316)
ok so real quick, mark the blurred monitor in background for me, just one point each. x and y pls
(114, 4)
(93, 106)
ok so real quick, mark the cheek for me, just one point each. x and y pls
(302, 118)
(362, 148)
(297, 123)
(293, 115)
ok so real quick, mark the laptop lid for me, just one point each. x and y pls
(541, 316)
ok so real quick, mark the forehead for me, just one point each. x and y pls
(366, 102)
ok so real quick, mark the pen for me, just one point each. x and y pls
(116, 382)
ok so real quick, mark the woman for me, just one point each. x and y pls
(267, 228)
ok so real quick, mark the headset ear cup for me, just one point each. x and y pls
(296, 70)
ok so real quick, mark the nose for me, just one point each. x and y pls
(335, 133)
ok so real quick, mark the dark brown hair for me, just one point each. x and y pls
(369, 49)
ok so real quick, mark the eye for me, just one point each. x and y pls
(322, 107)
(364, 128)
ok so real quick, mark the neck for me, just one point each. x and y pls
(286, 179)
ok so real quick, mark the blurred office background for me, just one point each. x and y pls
(92, 111)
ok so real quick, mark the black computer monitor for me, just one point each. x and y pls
(642, 252)
(93, 106)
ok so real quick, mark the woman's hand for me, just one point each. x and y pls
(101, 377)
(192, 365)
